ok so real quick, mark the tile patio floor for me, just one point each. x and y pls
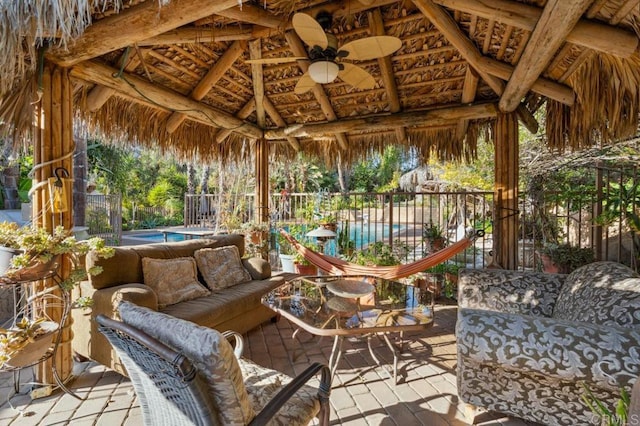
(361, 395)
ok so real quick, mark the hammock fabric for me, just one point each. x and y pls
(338, 266)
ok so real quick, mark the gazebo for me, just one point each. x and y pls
(201, 78)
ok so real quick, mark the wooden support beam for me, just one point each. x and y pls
(255, 52)
(99, 95)
(318, 91)
(557, 20)
(187, 35)
(449, 28)
(143, 91)
(277, 118)
(386, 69)
(429, 118)
(505, 230)
(591, 34)
(208, 81)
(468, 95)
(134, 24)
(254, 15)
(244, 112)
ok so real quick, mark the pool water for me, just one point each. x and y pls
(367, 233)
(158, 238)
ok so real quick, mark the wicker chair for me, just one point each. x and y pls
(172, 391)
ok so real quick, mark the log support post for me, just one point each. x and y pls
(262, 181)
(53, 148)
(505, 228)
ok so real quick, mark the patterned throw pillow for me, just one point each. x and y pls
(173, 280)
(207, 350)
(221, 267)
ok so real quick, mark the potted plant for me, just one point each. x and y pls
(37, 254)
(329, 221)
(433, 236)
(302, 265)
(257, 232)
(563, 258)
(37, 251)
(287, 253)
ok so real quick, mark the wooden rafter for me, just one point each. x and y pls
(246, 110)
(277, 118)
(139, 89)
(596, 36)
(449, 28)
(428, 118)
(468, 95)
(99, 95)
(255, 51)
(199, 35)
(386, 68)
(208, 81)
(318, 91)
(556, 21)
(137, 23)
(254, 15)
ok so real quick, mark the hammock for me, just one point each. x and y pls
(338, 266)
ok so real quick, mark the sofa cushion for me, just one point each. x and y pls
(259, 269)
(208, 350)
(221, 267)
(605, 293)
(225, 304)
(125, 266)
(173, 280)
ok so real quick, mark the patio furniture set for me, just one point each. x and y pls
(528, 343)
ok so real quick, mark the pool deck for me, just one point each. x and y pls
(362, 394)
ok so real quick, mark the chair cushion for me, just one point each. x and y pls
(263, 384)
(605, 293)
(207, 349)
(173, 280)
(221, 267)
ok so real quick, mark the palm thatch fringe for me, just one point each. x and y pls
(16, 112)
(125, 124)
(27, 25)
(607, 105)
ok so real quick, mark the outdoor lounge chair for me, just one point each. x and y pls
(208, 385)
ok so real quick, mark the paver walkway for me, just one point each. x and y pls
(362, 393)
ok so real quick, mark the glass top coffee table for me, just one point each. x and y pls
(360, 305)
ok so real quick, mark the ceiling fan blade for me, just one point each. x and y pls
(357, 77)
(305, 84)
(283, 60)
(371, 47)
(309, 30)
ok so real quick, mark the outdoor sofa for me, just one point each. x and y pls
(236, 307)
(529, 343)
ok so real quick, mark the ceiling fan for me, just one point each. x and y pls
(327, 59)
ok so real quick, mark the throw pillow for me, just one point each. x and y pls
(221, 267)
(173, 280)
(208, 351)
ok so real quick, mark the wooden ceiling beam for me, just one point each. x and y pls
(428, 118)
(270, 108)
(386, 68)
(318, 91)
(139, 89)
(99, 95)
(208, 81)
(134, 24)
(449, 28)
(254, 15)
(255, 52)
(244, 112)
(557, 20)
(468, 95)
(597, 36)
(189, 35)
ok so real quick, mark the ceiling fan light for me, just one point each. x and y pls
(323, 71)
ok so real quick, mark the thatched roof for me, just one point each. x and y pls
(139, 66)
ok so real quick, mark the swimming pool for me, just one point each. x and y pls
(153, 237)
(364, 234)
